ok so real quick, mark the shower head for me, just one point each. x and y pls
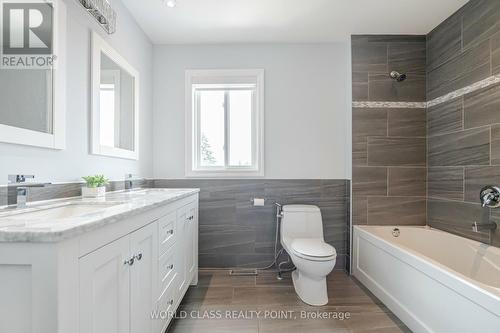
(400, 77)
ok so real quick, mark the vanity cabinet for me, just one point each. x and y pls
(125, 277)
(124, 273)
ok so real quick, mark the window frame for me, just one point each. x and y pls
(199, 80)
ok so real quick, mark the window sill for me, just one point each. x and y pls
(224, 174)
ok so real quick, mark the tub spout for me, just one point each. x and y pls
(478, 227)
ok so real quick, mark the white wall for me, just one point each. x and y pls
(75, 161)
(307, 105)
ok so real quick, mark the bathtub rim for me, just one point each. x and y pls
(476, 292)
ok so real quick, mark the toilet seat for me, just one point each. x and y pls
(313, 249)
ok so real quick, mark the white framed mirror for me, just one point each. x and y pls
(115, 103)
(33, 75)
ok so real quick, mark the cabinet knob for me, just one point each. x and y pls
(171, 302)
(171, 266)
(138, 256)
(171, 231)
(129, 262)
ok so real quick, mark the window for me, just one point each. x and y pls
(224, 115)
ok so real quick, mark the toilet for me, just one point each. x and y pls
(302, 238)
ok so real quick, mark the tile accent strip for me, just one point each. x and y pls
(490, 81)
(466, 90)
(390, 105)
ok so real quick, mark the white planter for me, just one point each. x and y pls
(93, 192)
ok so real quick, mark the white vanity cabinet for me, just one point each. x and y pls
(123, 272)
(125, 277)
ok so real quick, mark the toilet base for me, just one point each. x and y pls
(311, 290)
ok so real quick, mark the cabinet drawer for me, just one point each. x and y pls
(167, 270)
(167, 234)
(167, 305)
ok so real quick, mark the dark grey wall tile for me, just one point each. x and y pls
(369, 181)
(359, 210)
(495, 54)
(3, 195)
(407, 57)
(478, 177)
(369, 122)
(469, 147)
(445, 117)
(66, 190)
(369, 57)
(407, 182)
(360, 86)
(469, 67)
(495, 145)
(381, 87)
(359, 150)
(444, 42)
(234, 233)
(395, 38)
(396, 211)
(495, 235)
(457, 218)
(407, 122)
(446, 183)
(482, 107)
(396, 151)
(480, 21)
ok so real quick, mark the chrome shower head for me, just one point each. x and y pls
(399, 77)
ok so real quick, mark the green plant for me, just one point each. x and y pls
(95, 181)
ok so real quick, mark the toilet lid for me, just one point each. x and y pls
(313, 247)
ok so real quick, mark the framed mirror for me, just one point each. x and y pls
(115, 103)
(32, 75)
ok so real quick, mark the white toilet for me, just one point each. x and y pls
(302, 237)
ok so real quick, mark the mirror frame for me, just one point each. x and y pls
(56, 139)
(99, 46)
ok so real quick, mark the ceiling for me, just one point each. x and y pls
(287, 21)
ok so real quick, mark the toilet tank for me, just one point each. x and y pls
(301, 221)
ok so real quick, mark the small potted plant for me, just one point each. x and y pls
(96, 186)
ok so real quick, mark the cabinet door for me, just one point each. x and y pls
(143, 278)
(182, 229)
(105, 289)
(192, 241)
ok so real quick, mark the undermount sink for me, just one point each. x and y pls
(61, 212)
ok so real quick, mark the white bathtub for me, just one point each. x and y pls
(432, 280)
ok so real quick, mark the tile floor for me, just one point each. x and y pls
(254, 302)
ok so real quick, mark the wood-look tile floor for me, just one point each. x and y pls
(253, 302)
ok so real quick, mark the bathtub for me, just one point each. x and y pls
(432, 280)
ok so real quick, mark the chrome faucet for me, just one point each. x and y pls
(490, 196)
(18, 197)
(129, 183)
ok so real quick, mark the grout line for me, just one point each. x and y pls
(463, 113)
(463, 185)
(490, 145)
(387, 175)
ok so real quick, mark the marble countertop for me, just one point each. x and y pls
(29, 224)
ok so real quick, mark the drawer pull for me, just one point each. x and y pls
(171, 266)
(129, 262)
(171, 232)
(138, 256)
(171, 302)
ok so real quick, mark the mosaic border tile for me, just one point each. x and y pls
(490, 81)
(390, 105)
